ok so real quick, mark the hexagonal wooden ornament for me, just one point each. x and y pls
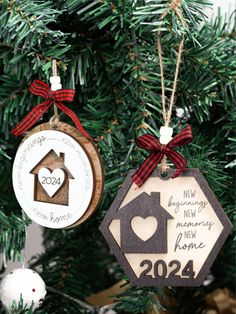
(168, 231)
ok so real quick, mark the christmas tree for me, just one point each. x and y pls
(107, 51)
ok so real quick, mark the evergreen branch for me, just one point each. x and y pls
(24, 28)
(108, 54)
(12, 236)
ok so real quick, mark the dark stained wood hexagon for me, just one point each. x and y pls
(168, 231)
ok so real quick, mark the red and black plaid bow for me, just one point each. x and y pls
(151, 144)
(42, 89)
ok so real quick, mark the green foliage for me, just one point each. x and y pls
(139, 300)
(106, 50)
(12, 223)
(12, 235)
(20, 308)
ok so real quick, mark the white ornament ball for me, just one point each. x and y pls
(22, 283)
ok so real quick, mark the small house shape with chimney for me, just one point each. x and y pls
(52, 161)
(153, 221)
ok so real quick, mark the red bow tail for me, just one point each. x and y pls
(157, 152)
(32, 117)
(42, 89)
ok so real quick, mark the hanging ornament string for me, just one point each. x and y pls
(167, 112)
(52, 97)
(55, 118)
(174, 5)
(160, 150)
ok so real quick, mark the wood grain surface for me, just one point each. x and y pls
(94, 158)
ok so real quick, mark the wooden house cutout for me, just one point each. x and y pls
(144, 225)
(52, 161)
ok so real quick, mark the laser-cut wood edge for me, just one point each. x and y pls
(227, 228)
(93, 156)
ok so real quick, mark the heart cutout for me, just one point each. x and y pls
(51, 181)
(144, 228)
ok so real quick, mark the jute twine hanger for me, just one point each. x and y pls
(167, 112)
(55, 118)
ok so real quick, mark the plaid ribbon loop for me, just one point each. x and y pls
(157, 151)
(40, 88)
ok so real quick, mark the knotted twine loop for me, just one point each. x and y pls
(174, 5)
(55, 119)
(158, 151)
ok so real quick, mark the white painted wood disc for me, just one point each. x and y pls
(53, 178)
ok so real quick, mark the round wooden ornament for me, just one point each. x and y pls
(57, 176)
